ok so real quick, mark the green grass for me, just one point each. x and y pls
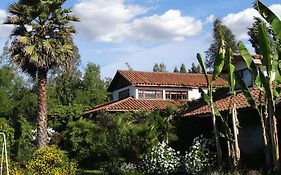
(91, 172)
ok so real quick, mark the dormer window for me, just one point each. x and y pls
(246, 76)
(124, 94)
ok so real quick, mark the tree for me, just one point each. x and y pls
(41, 40)
(159, 67)
(93, 90)
(253, 33)
(182, 68)
(176, 70)
(220, 32)
(195, 69)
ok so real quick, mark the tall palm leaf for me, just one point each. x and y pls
(41, 40)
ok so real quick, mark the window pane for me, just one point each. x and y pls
(123, 94)
(247, 77)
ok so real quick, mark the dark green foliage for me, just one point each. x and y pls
(110, 139)
(182, 68)
(176, 70)
(18, 104)
(159, 67)
(220, 32)
(93, 89)
(253, 33)
(24, 143)
(195, 69)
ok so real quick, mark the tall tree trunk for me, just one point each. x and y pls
(42, 133)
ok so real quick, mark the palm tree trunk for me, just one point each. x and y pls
(42, 133)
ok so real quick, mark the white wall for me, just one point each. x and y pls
(132, 92)
(194, 93)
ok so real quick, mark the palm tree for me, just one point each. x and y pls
(40, 41)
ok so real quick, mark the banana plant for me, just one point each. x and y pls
(208, 98)
(235, 150)
(267, 79)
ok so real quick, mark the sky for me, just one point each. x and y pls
(144, 32)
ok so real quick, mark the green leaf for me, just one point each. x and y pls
(245, 54)
(265, 80)
(270, 17)
(35, 58)
(203, 67)
(277, 82)
(29, 49)
(219, 61)
(275, 63)
(231, 68)
(23, 39)
(249, 63)
(47, 44)
(246, 91)
(217, 113)
(265, 49)
(205, 96)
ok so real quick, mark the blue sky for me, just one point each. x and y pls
(144, 32)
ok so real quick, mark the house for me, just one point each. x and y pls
(138, 90)
(250, 133)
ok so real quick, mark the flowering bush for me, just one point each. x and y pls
(50, 131)
(50, 161)
(199, 156)
(162, 159)
(128, 169)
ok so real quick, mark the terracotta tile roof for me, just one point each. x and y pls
(256, 58)
(166, 79)
(223, 104)
(132, 104)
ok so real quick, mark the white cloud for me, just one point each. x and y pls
(239, 22)
(171, 54)
(169, 26)
(115, 21)
(101, 17)
(4, 29)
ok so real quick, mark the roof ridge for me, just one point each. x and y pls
(179, 73)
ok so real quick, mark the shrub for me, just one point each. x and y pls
(50, 161)
(128, 169)
(162, 159)
(15, 169)
(199, 157)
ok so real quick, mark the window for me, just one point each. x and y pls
(246, 76)
(150, 94)
(176, 95)
(123, 94)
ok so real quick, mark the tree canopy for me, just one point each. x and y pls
(220, 32)
(159, 67)
(195, 69)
